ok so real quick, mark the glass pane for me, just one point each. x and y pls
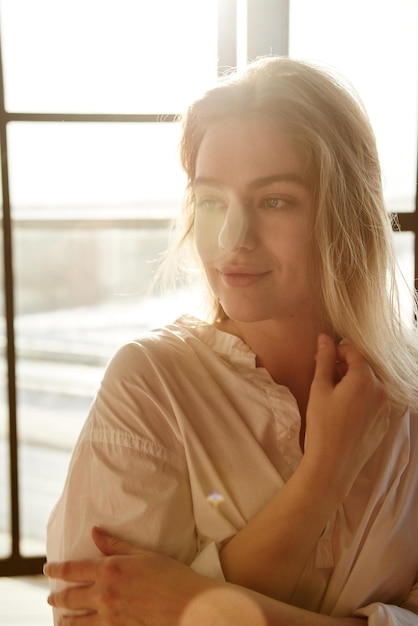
(5, 521)
(80, 294)
(78, 289)
(5, 529)
(124, 56)
(405, 245)
(375, 45)
(94, 170)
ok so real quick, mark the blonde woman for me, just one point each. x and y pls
(273, 449)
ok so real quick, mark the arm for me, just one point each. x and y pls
(125, 473)
(346, 421)
(149, 588)
(125, 583)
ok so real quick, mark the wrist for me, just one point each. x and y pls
(318, 485)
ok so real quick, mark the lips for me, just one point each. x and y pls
(241, 276)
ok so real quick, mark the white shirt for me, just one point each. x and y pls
(183, 414)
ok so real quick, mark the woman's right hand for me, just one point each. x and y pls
(347, 417)
(129, 586)
(136, 587)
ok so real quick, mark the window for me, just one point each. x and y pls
(92, 182)
(89, 92)
(374, 45)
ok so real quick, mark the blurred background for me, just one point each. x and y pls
(91, 181)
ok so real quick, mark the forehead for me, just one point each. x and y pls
(242, 149)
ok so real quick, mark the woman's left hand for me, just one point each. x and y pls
(129, 586)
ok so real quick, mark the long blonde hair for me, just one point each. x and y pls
(353, 233)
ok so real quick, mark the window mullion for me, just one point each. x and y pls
(9, 315)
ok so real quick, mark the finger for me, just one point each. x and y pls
(84, 571)
(341, 370)
(325, 361)
(72, 598)
(110, 545)
(358, 369)
(350, 355)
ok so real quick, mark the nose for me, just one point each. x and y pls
(236, 231)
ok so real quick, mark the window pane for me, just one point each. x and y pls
(5, 520)
(80, 294)
(80, 290)
(405, 245)
(107, 55)
(87, 170)
(5, 534)
(84, 201)
(5, 530)
(375, 45)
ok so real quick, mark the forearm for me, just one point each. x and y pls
(270, 552)
(345, 422)
(230, 605)
(149, 588)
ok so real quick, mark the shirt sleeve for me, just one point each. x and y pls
(380, 614)
(208, 562)
(127, 473)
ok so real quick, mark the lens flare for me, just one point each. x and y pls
(215, 499)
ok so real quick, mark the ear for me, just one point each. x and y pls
(110, 545)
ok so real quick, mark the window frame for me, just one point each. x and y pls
(17, 564)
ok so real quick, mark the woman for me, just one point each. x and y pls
(273, 450)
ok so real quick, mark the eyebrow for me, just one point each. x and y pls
(255, 184)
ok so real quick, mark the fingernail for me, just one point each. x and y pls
(323, 341)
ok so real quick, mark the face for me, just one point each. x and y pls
(253, 221)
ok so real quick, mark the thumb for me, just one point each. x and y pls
(326, 357)
(110, 545)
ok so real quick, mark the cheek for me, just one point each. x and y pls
(289, 248)
(206, 232)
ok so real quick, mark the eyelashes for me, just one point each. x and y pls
(274, 203)
(210, 204)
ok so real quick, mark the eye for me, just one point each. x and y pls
(209, 203)
(274, 202)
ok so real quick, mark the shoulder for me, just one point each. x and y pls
(172, 349)
(145, 383)
(166, 364)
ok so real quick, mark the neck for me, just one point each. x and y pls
(286, 350)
